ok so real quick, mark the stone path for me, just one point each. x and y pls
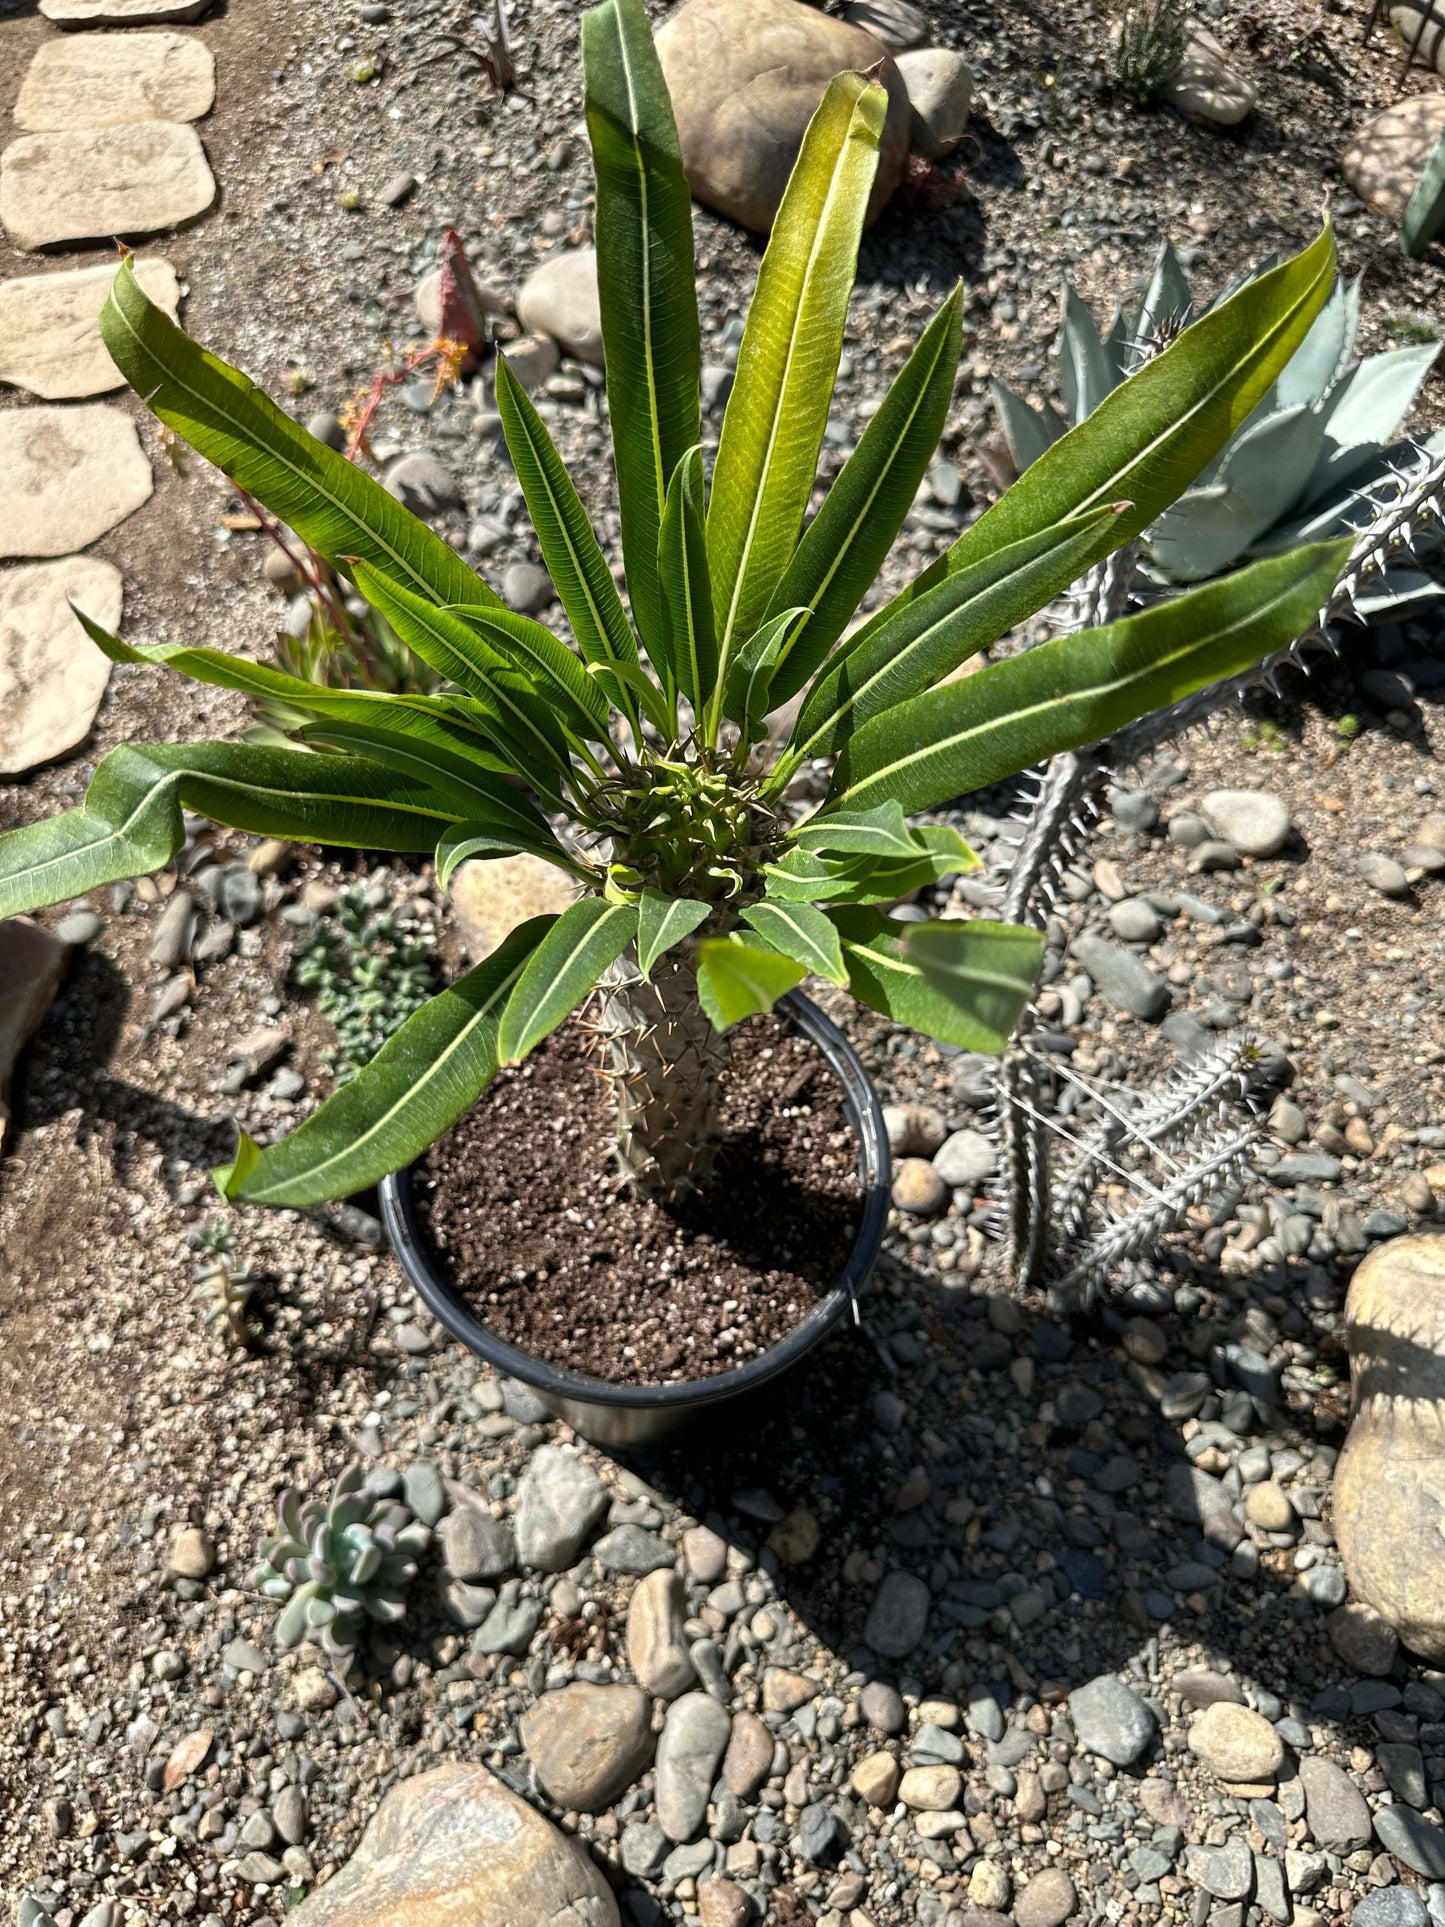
(101, 147)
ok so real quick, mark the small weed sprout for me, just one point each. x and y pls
(224, 1290)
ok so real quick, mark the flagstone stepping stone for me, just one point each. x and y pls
(87, 184)
(111, 79)
(52, 676)
(66, 476)
(123, 13)
(50, 327)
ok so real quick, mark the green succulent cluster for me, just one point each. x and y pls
(686, 829)
(1309, 462)
(337, 1563)
(369, 975)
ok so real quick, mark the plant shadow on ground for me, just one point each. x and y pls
(1055, 1542)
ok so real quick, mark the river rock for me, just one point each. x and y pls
(1111, 1720)
(560, 1504)
(1208, 87)
(966, 1159)
(86, 184)
(898, 1615)
(1384, 161)
(50, 326)
(1413, 1839)
(1389, 1488)
(1256, 822)
(745, 78)
(694, 1737)
(748, 1761)
(32, 964)
(1236, 1743)
(457, 1845)
(67, 475)
(940, 93)
(1335, 1809)
(560, 299)
(492, 898)
(109, 79)
(1122, 979)
(1047, 1901)
(52, 676)
(476, 1546)
(589, 1743)
(657, 1649)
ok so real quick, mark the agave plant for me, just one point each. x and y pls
(337, 1563)
(1314, 459)
(639, 762)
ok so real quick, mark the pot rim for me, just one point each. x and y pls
(446, 1303)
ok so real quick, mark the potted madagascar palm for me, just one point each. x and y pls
(636, 760)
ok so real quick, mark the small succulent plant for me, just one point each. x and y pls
(1312, 461)
(337, 1563)
(369, 974)
(224, 1290)
(1149, 47)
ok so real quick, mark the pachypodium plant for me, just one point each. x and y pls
(335, 1564)
(639, 762)
(1317, 456)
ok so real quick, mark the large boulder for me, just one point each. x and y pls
(52, 676)
(1389, 1492)
(32, 964)
(492, 896)
(1384, 161)
(455, 1845)
(746, 77)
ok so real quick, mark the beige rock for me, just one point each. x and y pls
(875, 1779)
(52, 676)
(1408, 22)
(108, 79)
(749, 1759)
(455, 1845)
(1236, 1743)
(1384, 161)
(531, 358)
(66, 476)
(89, 184)
(930, 1788)
(492, 898)
(990, 1887)
(123, 13)
(918, 1187)
(560, 299)
(722, 1904)
(656, 1645)
(192, 1554)
(50, 327)
(1389, 1489)
(589, 1743)
(745, 78)
(795, 1538)
(1267, 1506)
(32, 964)
(1208, 88)
(940, 93)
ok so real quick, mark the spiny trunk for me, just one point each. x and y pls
(663, 1060)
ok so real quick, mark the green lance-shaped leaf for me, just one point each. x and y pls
(646, 282)
(525, 728)
(804, 876)
(737, 979)
(548, 663)
(844, 546)
(1150, 438)
(686, 644)
(966, 985)
(334, 508)
(567, 963)
(417, 1086)
(662, 923)
(495, 836)
(621, 681)
(926, 640)
(1082, 688)
(747, 696)
(880, 832)
(131, 821)
(571, 551)
(486, 799)
(428, 719)
(788, 358)
(803, 933)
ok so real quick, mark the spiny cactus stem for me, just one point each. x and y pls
(1134, 1179)
(1150, 1141)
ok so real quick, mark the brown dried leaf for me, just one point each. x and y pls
(187, 1757)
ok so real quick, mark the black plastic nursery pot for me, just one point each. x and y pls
(623, 1415)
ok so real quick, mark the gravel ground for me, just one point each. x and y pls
(1024, 1469)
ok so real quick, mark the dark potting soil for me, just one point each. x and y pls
(523, 1201)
